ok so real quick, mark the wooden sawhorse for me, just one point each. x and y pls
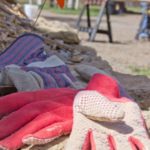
(92, 31)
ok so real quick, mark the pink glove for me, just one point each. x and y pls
(44, 115)
(94, 115)
(35, 117)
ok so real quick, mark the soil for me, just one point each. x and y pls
(125, 53)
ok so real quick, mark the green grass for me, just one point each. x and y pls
(64, 11)
(94, 10)
(134, 9)
(140, 71)
(67, 11)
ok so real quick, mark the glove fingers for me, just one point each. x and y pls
(97, 107)
(31, 111)
(135, 117)
(102, 83)
(141, 143)
(14, 101)
(100, 141)
(78, 140)
(49, 133)
(24, 115)
(14, 141)
(122, 143)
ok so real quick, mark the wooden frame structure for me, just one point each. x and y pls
(92, 31)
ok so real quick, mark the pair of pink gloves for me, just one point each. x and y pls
(102, 119)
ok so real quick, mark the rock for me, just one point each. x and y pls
(65, 55)
(77, 59)
(85, 50)
(90, 67)
(137, 87)
(96, 61)
(58, 30)
(86, 71)
(13, 23)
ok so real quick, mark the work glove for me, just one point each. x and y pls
(22, 80)
(42, 116)
(35, 117)
(106, 121)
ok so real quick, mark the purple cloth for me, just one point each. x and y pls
(29, 48)
(53, 76)
(25, 49)
(123, 92)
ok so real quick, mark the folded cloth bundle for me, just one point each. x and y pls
(28, 67)
(50, 73)
(23, 81)
(39, 117)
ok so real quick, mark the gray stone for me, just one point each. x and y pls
(86, 71)
(58, 30)
(77, 58)
(137, 86)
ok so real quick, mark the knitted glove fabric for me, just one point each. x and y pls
(35, 117)
(41, 116)
(97, 107)
(95, 129)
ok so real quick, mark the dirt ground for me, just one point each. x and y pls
(125, 53)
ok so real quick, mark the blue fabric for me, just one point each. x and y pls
(24, 48)
(29, 48)
(53, 76)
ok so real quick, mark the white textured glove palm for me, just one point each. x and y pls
(89, 133)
